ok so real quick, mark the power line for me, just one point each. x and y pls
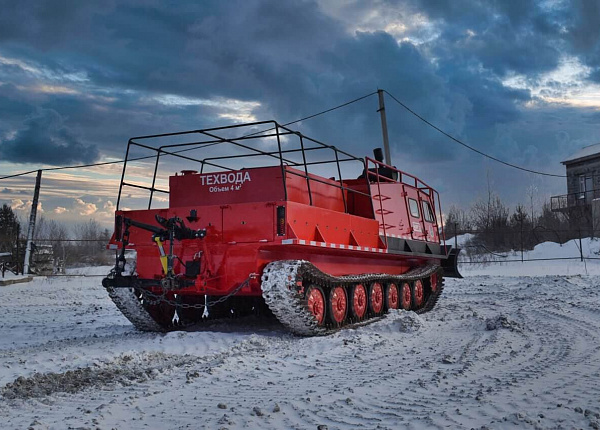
(468, 146)
(330, 110)
(304, 119)
(282, 125)
(189, 149)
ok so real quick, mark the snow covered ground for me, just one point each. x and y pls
(515, 345)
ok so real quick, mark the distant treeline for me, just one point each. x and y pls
(72, 244)
(498, 228)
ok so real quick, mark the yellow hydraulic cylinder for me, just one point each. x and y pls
(163, 256)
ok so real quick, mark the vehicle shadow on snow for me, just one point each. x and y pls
(268, 326)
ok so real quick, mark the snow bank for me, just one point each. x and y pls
(567, 261)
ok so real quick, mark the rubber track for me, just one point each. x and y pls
(283, 295)
(132, 308)
(283, 284)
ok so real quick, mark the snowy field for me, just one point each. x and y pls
(515, 345)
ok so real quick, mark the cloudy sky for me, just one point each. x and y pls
(519, 80)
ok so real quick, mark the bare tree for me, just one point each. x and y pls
(93, 239)
(457, 220)
(490, 218)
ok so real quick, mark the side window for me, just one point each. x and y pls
(413, 206)
(427, 212)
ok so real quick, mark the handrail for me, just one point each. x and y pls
(417, 184)
(215, 137)
(287, 144)
(571, 200)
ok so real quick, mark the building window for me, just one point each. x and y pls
(586, 186)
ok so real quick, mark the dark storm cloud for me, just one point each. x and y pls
(372, 60)
(12, 103)
(45, 139)
(584, 29)
(584, 34)
(244, 50)
(294, 60)
(194, 49)
(518, 36)
(504, 37)
(289, 56)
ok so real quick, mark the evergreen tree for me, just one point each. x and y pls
(9, 228)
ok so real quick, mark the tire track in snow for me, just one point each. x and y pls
(429, 371)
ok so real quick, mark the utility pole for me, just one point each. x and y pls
(384, 130)
(32, 216)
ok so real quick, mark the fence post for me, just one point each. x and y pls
(455, 237)
(521, 240)
(580, 246)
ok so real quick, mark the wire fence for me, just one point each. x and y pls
(508, 245)
(53, 256)
(517, 244)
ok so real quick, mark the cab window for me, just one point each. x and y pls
(413, 206)
(427, 212)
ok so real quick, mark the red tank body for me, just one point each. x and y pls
(227, 234)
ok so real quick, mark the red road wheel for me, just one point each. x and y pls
(392, 296)
(376, 298)
(338, 305)
(418, 294)
(315, 300)
(433, 279)
(358, 302)
(405, 296)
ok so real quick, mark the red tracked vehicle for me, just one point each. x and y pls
(268, 223)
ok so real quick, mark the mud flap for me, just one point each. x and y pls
(450, 265)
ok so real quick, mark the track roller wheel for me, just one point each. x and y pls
(433, 281)
(405, 296)
(337, 305)
(376, 298)
(392, 296)
(315, 301)
(358, 302)
(418, 294)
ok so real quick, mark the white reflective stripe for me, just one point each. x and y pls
(332, 245)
